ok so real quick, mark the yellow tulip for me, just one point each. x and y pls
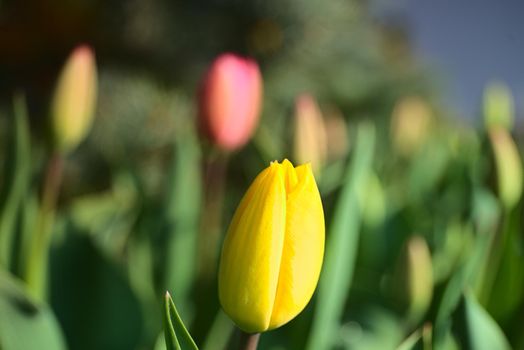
(415, 278)
(499, 106)
(410, 125)
(74, 100)
(310, 133)
(273, 250)
(509, 166)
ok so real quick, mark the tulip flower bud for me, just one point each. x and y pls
(499, 109)
(410, 124)
(74, 99)
(509, 166)
(230, 101)
(310, 133)
(415, 278)
(273, 250)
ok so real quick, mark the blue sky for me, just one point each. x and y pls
(469, 41)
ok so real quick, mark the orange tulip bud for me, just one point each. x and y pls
(230, 101)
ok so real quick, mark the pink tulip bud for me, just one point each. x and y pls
(230, 101)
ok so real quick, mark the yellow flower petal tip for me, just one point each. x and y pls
(274, 248)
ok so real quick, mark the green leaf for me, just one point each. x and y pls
(445, 340)
(373, 328)
(341, 248)
(468, 274)
(19, 168)
(483, 332)
(25, 324)
(427, 169)
(174, 326)
(412, 341)
(90, 294)
(220, 332)
(108, 216)
(181, 215)
(504, 290)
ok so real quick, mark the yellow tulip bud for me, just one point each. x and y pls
(410, 124)
(415, 278)
(420, 274)
(273, 250)
(310, 133)
(74, 99)
(509, 166)
(499, 108)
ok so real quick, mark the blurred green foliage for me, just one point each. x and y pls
(133, 203)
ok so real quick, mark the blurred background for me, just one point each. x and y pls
(411, 113)
(468, 44)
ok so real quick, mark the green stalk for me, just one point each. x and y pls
(38, 257)
(211, 220)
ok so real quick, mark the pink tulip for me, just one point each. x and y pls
(230, 101)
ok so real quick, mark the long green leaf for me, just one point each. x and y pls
(19, 168)
(220, 332)
(341, 249)
(176, 334)
(505, 290)
(182, 216)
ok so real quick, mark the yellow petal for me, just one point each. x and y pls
(252, 251)
(303, 248)
(290, 175)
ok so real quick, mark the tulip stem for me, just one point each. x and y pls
(215, 169)
(38, 254)
(248, 341)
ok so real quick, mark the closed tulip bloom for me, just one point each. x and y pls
(230, 101)
(273, 251)
(414, 278)
(74, 99)
(310, 133)
(508, 165)
(410, 125)
(499, 106)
